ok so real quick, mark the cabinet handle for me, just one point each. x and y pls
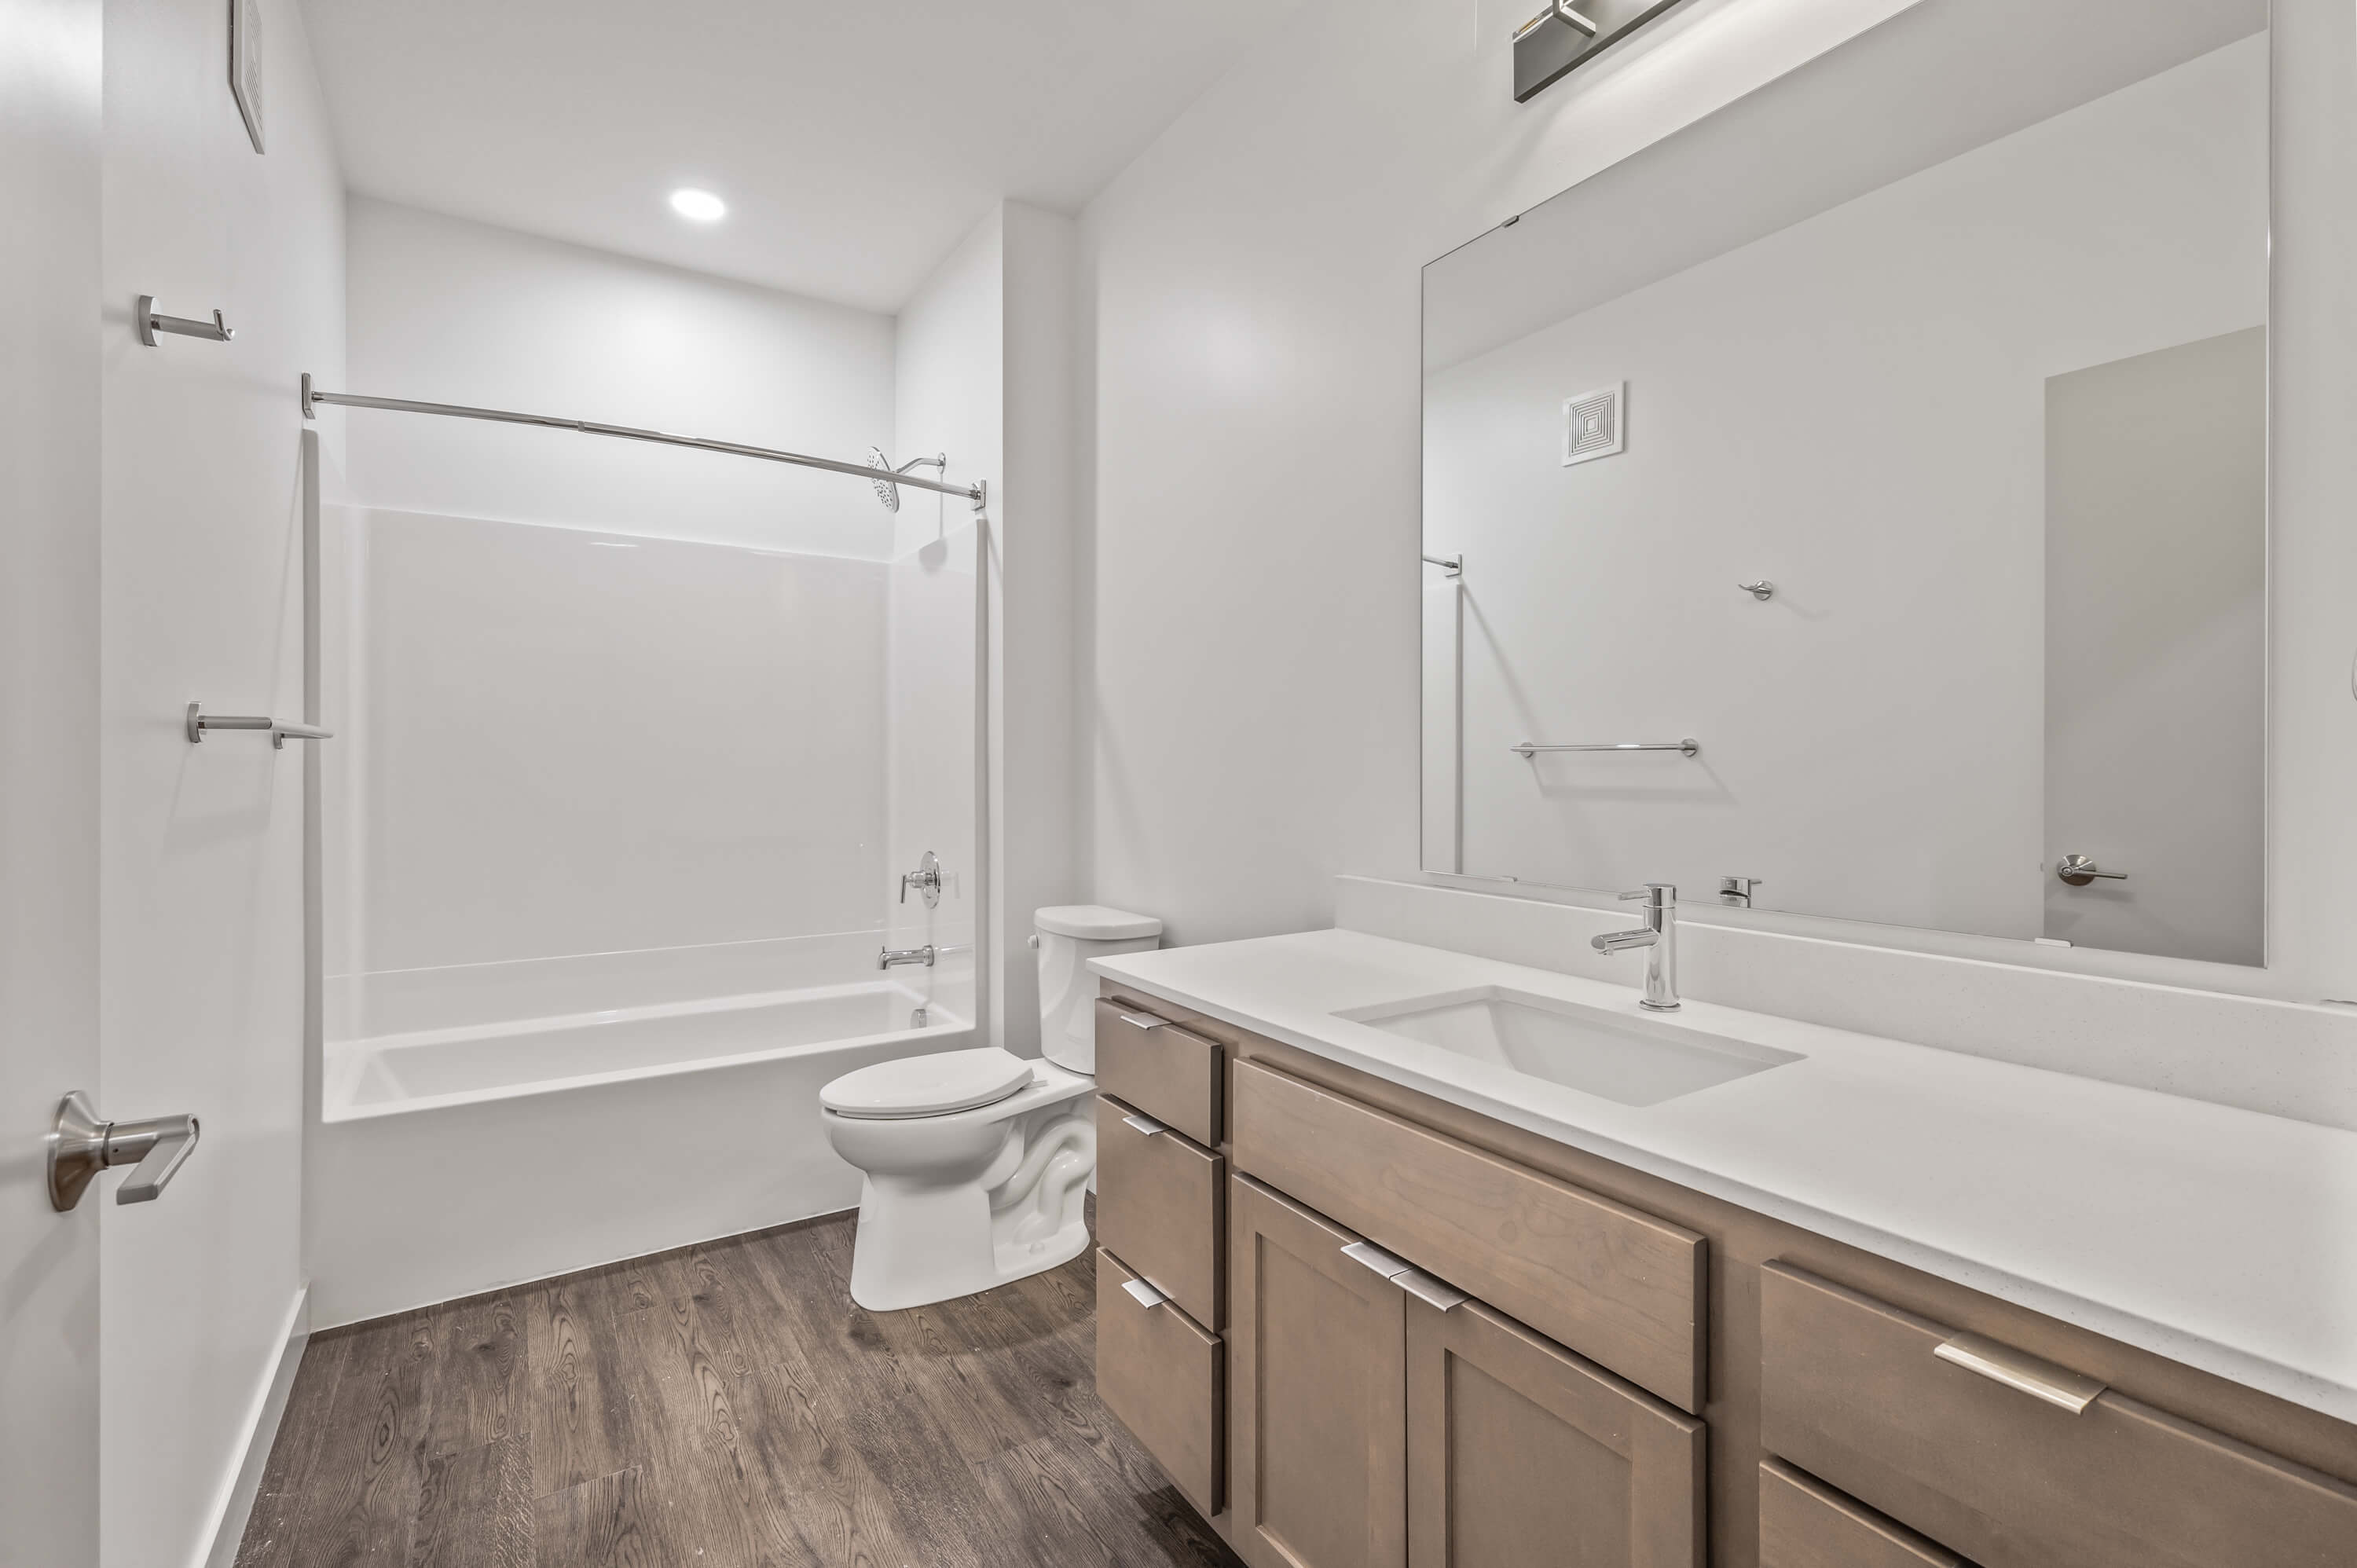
(1145, 1123)
(1374, 1257)
(1141, 1020)
(1425, 1288)
(1143, 1293)
(2057, 1386)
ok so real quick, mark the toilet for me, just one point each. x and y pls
(976, 1164)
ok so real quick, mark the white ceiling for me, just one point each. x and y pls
(854, 140)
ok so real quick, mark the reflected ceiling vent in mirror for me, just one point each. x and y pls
(1570, 33)
(1595, 424)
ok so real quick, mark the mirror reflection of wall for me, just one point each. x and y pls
(1991, 424)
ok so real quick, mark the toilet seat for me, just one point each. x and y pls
(934, 1085)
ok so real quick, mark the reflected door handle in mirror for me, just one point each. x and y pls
(2078, 870)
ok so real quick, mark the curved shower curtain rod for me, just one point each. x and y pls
(978, 492)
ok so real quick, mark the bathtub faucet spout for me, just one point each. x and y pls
(893, 957)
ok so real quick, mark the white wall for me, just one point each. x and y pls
(201, 855)
(444, 310)
(1249, 623)
(1873, 736)
(1249, 629)
(986, 374)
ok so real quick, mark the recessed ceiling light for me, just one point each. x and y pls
(700, 205)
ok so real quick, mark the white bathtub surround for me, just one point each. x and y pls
(557, 742)
(2208, 1234)
(975, 1167)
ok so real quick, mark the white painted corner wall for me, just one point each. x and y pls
(201, 847)
(985, 372)
(1250, 285)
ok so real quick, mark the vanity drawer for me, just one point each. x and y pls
(1160, 1068)
(1853, 1392)
(1161, 1374)
(1805, 1523)
(1621, 1288)
(1161, 1203)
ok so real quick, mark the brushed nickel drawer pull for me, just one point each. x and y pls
(1143, 1293)
(1425, 1288)
(2057, 1386)
(1141, 1020)
(1375, 1258)
(1145, 1123)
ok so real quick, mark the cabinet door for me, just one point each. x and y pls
(1317, 1397)
(1522, 1453)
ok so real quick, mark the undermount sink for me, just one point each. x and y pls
(1631, 1059)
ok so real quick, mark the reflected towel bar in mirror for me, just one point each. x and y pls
(1689, 746)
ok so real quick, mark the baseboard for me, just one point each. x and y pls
(243, 1484)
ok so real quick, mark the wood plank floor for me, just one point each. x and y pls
(724, 1406)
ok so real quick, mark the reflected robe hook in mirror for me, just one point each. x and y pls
(1763, 590)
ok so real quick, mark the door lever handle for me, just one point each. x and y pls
(2078, 870)
(80, 1145)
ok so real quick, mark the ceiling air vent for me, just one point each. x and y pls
(1594, 424)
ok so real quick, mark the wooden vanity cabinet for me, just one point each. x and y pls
(1803, 1523)
(1627, 1373)
(1318, 1390)
(1373, 1426)
(1520, 1453)
(2014, 1461)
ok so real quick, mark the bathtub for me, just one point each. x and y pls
(429, 1069)
(453, 1158)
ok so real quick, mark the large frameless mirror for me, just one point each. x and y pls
(1855, 504)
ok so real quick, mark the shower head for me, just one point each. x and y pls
(885, 490)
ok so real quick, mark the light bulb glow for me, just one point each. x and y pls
(700, 206)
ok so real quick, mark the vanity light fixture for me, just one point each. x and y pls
(698, 205)
(1570, 33)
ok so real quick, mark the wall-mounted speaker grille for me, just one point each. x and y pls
(1595, 424)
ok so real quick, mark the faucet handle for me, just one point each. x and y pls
(1653, 892)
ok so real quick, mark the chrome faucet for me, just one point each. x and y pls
(1659, 937)
(892, 958)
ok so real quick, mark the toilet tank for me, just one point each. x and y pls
(1068, 937)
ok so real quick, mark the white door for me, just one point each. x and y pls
(2156, 649)
(49, 345)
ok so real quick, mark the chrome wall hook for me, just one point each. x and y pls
(281, 730)
(150, 323)
(1763, 590)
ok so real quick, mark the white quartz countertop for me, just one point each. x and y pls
(2221, 1238)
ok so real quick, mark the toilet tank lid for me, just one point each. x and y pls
(1095, 922)
(932, 1085)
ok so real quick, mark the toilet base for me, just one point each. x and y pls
(921, 1239)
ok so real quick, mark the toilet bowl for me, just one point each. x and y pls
(976, 1164)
